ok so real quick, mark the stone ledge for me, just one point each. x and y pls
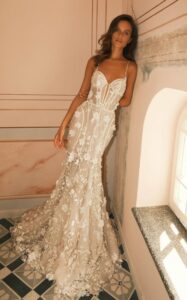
(166, 239)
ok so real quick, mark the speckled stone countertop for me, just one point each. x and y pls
(166, 239)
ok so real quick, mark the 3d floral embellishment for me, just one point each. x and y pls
(76, 161)
(95, 116)
(81, 141)
(77, 114)
(31, 256)
(19, 239)
(68, 182)
(78, 124)
(42, 231)
(106, 119)
(86, 156)
(65, 207)
(53, 194)
(72, 192)
(50, 276)
(71, 156)
(72, 132)
(90, 203)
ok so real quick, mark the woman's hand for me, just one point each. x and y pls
(59, 140)
(123, 102)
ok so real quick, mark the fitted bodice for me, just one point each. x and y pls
(104, 93)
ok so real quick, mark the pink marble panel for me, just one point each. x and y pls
(29, 168)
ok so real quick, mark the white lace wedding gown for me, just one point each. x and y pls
(70, 237)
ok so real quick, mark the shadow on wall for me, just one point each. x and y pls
(169, 49)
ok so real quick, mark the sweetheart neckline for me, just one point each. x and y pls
(108, 83)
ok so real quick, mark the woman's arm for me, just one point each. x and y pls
(131, 77)
(82, 93)
(81, 96)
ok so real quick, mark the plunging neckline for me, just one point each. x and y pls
(109, 83)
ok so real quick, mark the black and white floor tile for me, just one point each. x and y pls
(19, 281)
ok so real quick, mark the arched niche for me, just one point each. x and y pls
(157, 146)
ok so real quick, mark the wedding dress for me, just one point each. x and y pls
(70, 237)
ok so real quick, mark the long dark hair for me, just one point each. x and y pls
(105, 40)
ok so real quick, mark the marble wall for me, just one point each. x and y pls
(28, 168)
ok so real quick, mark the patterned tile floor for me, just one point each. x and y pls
(19, 281)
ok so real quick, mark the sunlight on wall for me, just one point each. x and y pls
(175, 265)
(173, 257)
(178, 190)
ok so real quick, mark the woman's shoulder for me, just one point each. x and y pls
(132, 64)
(92, 61)
(132, 67)
(91, 64)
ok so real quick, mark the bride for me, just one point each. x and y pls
(70, 238)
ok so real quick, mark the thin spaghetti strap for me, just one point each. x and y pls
(126, 69)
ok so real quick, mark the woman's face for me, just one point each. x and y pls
(122, 35)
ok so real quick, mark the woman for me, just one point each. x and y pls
(69, 238)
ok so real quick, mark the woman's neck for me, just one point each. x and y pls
(117, 54)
